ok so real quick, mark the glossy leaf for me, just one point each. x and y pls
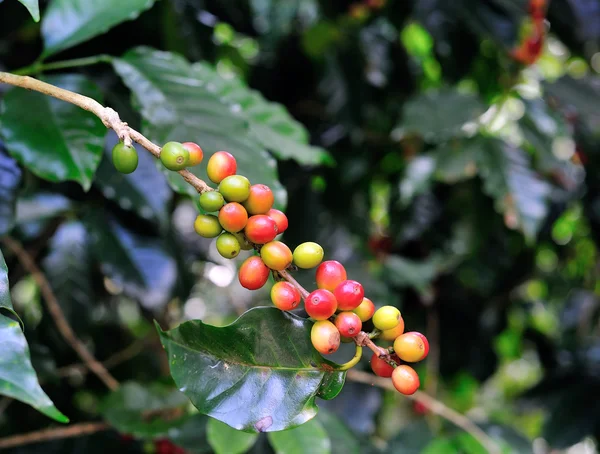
(5, 301)
(227, 440)
(70, 22)
(10, 179)
(142, 265)
(55, 140)
(259, 374)
(178, 104)
(310, 437)
(33, 7)
(145, 191)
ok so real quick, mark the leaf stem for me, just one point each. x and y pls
(354, 361)
(38, 66)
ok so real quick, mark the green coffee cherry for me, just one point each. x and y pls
(235, 188)
(308, 255)
(124, 158)
(228, 245)
(207, 225)
(174, 156)
(211, 201)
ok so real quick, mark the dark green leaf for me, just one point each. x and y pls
(417, 178)
(342, 439)
(5, 302)
(227, 440)
(455, 161)
(145, 411)
(310, 437)
(259, 374)
(178, 104)
(581, 94)
(143, 265)
(33, 7)
(70, 22)
(52, 138)
(144, 191)
(41, 206)
(409, 273)
(191, 435)
(411, 440)
(10, 179)
(440, 115)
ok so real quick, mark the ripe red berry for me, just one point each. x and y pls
(393, 333)
(320, 304)
(380, 367)
(285, 296)
(253, 273)
(411, 347)
(330, 274)
(365, 310)
(280, 219)
(260, 229)
(260, 199)
(349, 294)
(325, 337)
(405, 380)
(233, 217)
(276, 255)
(348, 323)
(196, 154)
(221, 165)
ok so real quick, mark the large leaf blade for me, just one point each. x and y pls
(10, 179)
(259, 374)
(33, 7)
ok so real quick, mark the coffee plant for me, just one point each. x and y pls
(251, 226)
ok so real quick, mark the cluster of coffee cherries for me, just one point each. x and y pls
(173, 155)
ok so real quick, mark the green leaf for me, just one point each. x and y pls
(259, 374)
(70, 22)
(440, 115)
(342, 439)
(178, 104)
(411, 440)
(145, 411)
(56, 140)
(226, 440)
(403, 272)
(455, 161)
(143, 265)
(144, 191)
(417, 178)
(33, 7)
(310, 437)
(10, 179)
(41, 206)
(5, 302)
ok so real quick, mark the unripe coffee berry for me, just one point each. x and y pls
(228, 245)
(380, 367)
(253, 273)
(196, 154)
(233, 217)
(405, 380)
(244, 243)
(392, 334)
(124, 158)
(285, 296)
(260, 229)
(280, 219)
(348, 324)
(308, 255)
(320, 304)
(221, 165)
(207, 225)
(349, 294)
(174, 156)
(235, 188)
(260, 200)
(330, 274)
(386, 317)
(325, 337)
(365, 310)
(276, 255)
(411, 347)
(211, 201)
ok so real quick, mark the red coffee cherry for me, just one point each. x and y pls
(260, 199)
(348, 323)
(233, 217)
(405, 380)
(253, 273)
(260, 229)
(365, 310)
(276, 255)
(380, 367)
(285, 296)
(411, 347)
(349, 294)
(325, 337)
(330, 274)
(393, 333)
(320, 304)
(196, 154)
(280, 219)
(221, 165)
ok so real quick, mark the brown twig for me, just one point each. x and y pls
(288, 277)
(434, 406)
(58, 316)
(76, 430)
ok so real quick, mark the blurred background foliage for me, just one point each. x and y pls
(447, 152)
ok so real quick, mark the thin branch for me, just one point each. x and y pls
(288, 277)
(76, 430)
(433, 405)
(57, 314)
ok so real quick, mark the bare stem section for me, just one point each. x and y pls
(39, 436)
